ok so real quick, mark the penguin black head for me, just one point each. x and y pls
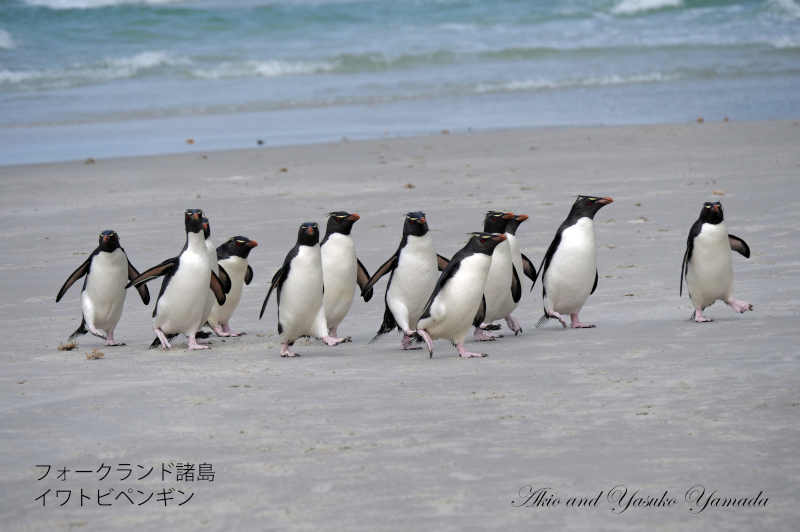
(109, 241)
(308, 234)
(496, 222)
(484, 242)
(341, 222)
(415, 224)
(514, 222)
(587, 206)
(206, 228)
(712, 213)
(194, 220)
(237, 246)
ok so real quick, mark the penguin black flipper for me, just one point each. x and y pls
(516, 285)
(144, 293)
(449, 271)
(362, 277)
(82, 270)
(529, 270)
(154, 272)
(248, 275)
(387, 266)
(596, 277)
(442, 262)
(216, 286)
(687, 256)
(739, 245)
(224, 279)
(482, 312)
(549, 256)
(277, 280)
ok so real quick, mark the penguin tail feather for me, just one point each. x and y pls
(202, 334)
(417, 339)
(491, 327)
(388, 325)
(156, 343)
(542, 320)
(80, 331)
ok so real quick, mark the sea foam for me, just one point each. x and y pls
(6, 41)
(264, 69)
(632, 7)
(603, 81)
(96, 4)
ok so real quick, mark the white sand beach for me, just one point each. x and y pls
(373, 438)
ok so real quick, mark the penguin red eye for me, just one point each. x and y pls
(588, 202)
(238, 244)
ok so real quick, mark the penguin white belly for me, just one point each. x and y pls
(301, 311)
(499, 302)
(237, 269)
(211, 299)
(180, 308)
(455, 306)
(104, 296)
(413, 281)
(571, 274)
(339, 271)
(709, 274)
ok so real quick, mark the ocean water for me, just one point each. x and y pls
(103, 78)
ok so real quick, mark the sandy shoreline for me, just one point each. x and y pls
(372, 438)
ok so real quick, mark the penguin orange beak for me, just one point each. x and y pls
(205, 227)
(508, 215)
(251, 244)
(715, 208)
(105, 238)
(499, 238)
(310, 230)
(421, 220)
(353, 217)
(605, 201)
(196, 216)
(521, 217)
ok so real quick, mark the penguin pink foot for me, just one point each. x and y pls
(463, 353)
(194, 344)
(739, 306)
(513, 324)
(286, 352)
(482, 335)
(428, 340)
(97, 333)
(576, 323)
(333, 333)
(199, 341)
(407, 343)
(556, 315)
(226, 329)
(162, 338)
(334, 341)
(699, 318)
(219, 332)
(110, 340)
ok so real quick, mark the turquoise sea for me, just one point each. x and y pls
(100, 78)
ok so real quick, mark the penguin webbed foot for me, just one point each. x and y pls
(463, 353)
(739, 306)
(576, 323)
(420, 336)
(699, 318)
(330, 341)
(286, 352)
(513, 324)
(97, 333)
(194, 345)
(482, 336)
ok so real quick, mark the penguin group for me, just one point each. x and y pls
(427, 297)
